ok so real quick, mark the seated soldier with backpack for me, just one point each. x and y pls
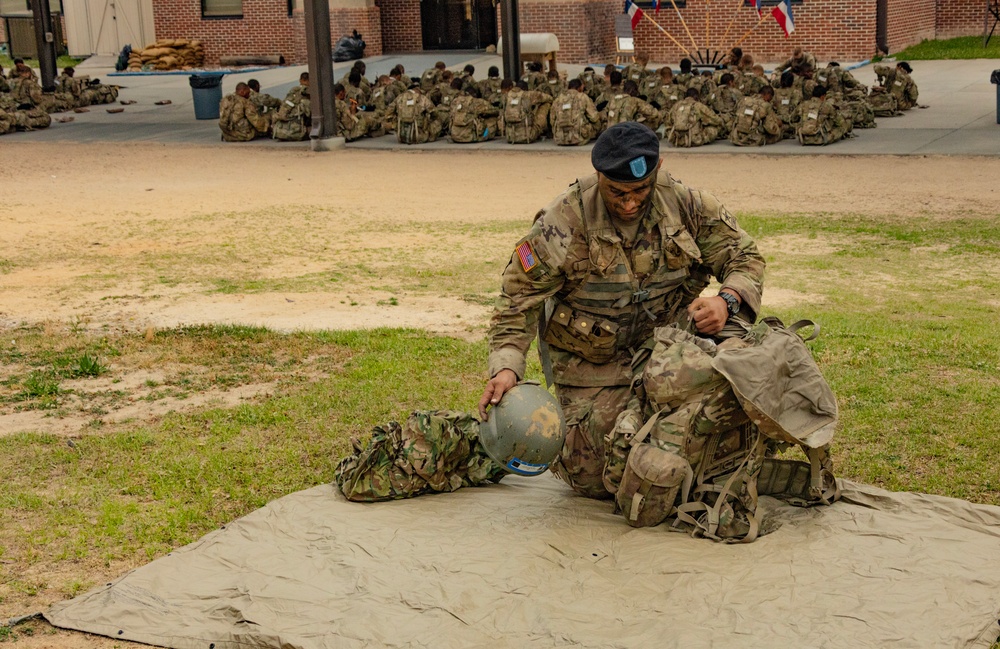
(756, 122)
(820, 122)
(472, 119)
(692, 123)
(628, 107)
(292, 121)
(352, 123)
(239, 119)
(413, 117)
(525, 114)
(573, 118)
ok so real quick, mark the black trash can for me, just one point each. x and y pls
(206, 90)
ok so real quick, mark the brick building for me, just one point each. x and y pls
(845, 30)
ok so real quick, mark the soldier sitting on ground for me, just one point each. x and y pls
(472, 119)
(612, 88)
(573, 118)
(264, 102)
(898, 82)
(636, 71)
(239, 119)
(293, 119)
(554, 85)
(534, 77)
(431, 77)
(820, 122)
(756, 122)
(724, 100)
(21, 67)
(352, 123)
(798, 62)
(68, 83)
(786, 104)
(628, 107)
(692, 123)
(468, 77)
(23, 117)
(489, 88)
(525, 114)
(414, 117)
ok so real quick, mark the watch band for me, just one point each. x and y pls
(732, 304)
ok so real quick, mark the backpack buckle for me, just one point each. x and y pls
(640, 296)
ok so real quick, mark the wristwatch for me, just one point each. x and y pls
(732, 304)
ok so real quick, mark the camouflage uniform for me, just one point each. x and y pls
(900, 85)
(354, 125)
(650, 87)
(435, 451)
(26, 91)
(635, 72)
(535, 80)
(786, 104)
(606, 296)
(750, 84)
(724, 101)
(666, 98)
(798, 65)
(692, 123)
(429, 79)
(525, 115)
(23, 120)
(553, 87)
(264, 102)
(294, 118)
(73, 87)
(413, 116)
(756, 123)
(239, 119)
(820, 123)
(489, 88)
(472, 119)
(608, 92)
(573, 119)
(625, 108)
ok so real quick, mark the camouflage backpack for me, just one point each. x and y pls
(698, 440)
(684, 119)
(517, 109)
(429, 79)
(227, 112)
(566, 117)
(410, 120)
(747, 120)
(810, 123)
(883, 103)
(860, 113)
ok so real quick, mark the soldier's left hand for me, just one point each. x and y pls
(709, 314)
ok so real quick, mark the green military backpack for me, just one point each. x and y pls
(409, 119)
(747, 120)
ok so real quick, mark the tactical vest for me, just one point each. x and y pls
(619, 301)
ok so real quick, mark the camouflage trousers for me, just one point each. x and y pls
(434, 451)
(7, 122)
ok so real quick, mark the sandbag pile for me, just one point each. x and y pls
(168, 54)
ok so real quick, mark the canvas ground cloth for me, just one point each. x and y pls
(528, 564)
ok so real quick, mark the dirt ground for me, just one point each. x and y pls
(112, 238)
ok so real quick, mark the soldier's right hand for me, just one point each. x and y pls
(495, 389)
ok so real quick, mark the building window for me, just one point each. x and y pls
(647, 5)
(221, 8)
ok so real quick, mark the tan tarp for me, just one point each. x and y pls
(527, 564)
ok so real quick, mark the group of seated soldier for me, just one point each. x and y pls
(738, 103)
(24, 106)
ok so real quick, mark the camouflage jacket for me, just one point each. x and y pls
(292, 121)
(756, 123)
(553, 87)
(786, 104)
(635, 72)
(820, 122)
(239, 119)
(798, 65)
(650, 87)
(667, 96)
(691, 116)
(264, 102)
(381, 97)
(26, 91)
(573, 118)
(724, 100)
(605, 292)
(535, 80)
(900, 85)
(489, 88)
(472, 119)
(624, 108)
(430, 78)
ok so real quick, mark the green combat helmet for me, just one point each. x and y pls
(525, 430)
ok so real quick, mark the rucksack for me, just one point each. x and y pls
(698, 443)
(747, 119)
(565, 117)
(684, 118)
(810, 123)
(517, 109)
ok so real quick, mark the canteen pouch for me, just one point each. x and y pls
(652, 480)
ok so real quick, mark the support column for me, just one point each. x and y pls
(320, 54)
(45, 43)
(511, 40)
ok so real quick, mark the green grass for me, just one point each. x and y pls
(905, 306)
(61, 62)
(964, 47)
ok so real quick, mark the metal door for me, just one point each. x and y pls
(458, 24)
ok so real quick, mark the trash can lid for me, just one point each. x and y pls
(995, 77)
(205, 80)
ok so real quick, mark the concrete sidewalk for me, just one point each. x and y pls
(960, 120)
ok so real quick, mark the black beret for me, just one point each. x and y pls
(626, 152)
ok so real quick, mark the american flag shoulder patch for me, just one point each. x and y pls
(526, 254)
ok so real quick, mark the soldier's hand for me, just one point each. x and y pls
(709, 314)
(495, 389)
